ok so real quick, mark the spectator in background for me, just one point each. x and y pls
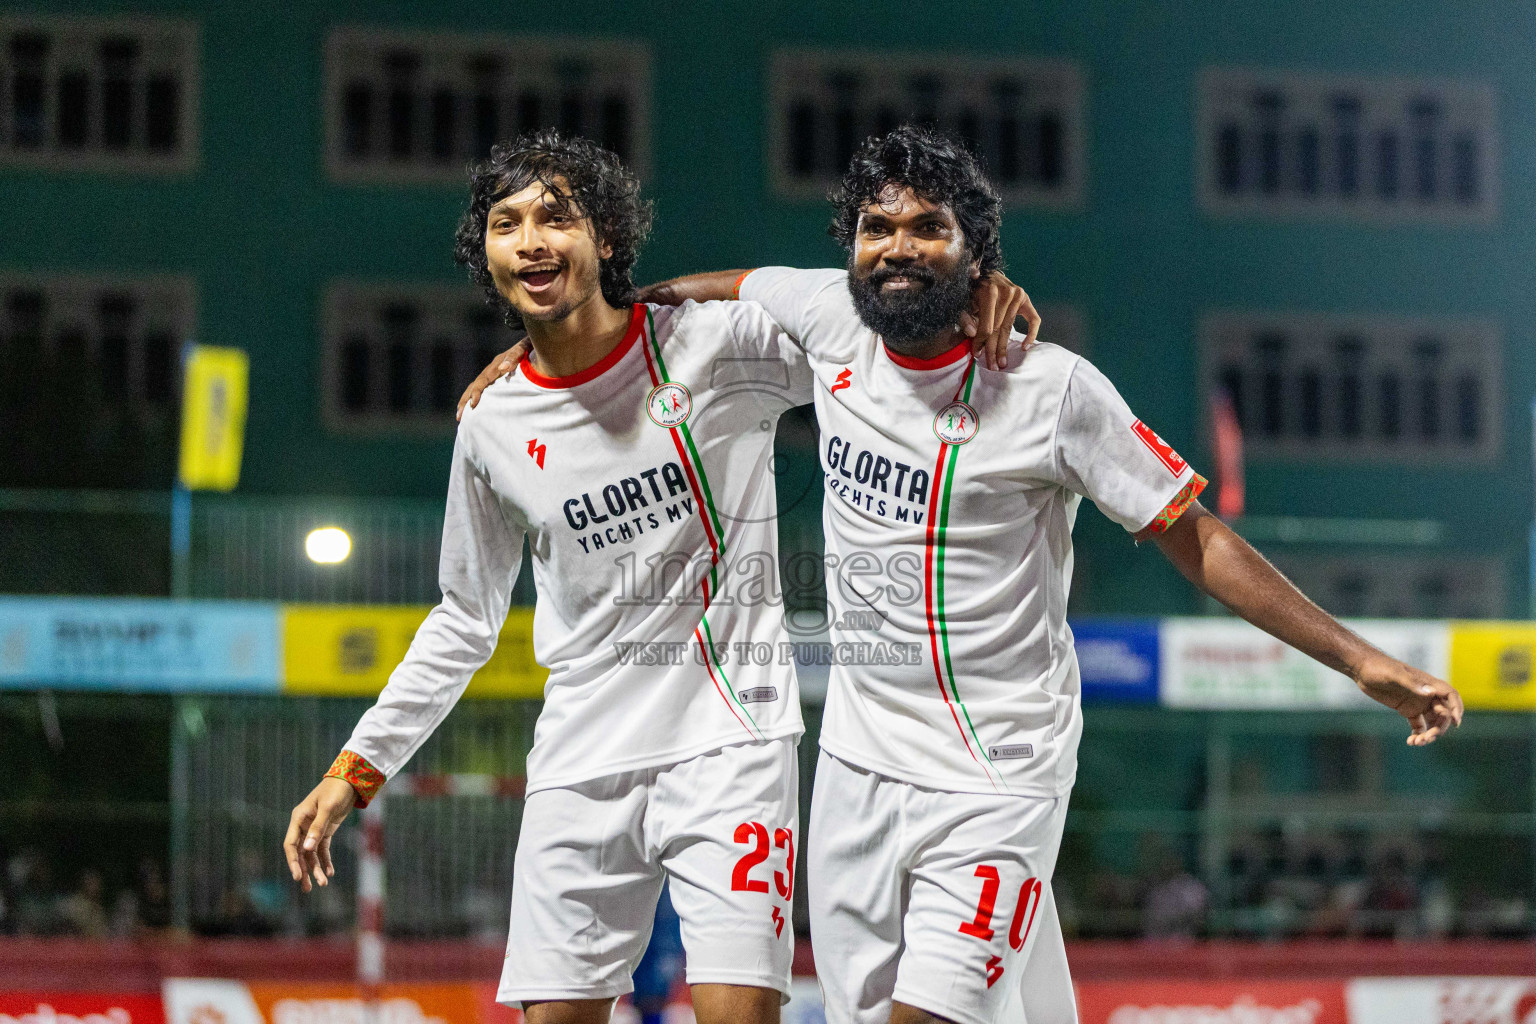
(1339, 911)
(33, 901)
(1437, 905)
(1175, 902)
(238, 916)
(82, 912)
(266, 892)
(1391, 903)
(145, 910)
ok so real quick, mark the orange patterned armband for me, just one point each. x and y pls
(1175, 508)
(736, 290)
(355, 771)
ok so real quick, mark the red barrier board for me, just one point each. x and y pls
(80, 1008)
(1212, 1002)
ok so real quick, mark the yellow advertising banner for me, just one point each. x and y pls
(350, 650)
(213, 417)
(1491, 664)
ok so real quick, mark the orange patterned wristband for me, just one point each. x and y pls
(1180, 503)
(736, 291)
(355, 771)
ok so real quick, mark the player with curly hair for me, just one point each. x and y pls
(942, 787)
(640, 479)
(579, 178)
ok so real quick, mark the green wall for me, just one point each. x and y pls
(262, 229)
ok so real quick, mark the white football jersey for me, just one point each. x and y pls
(645, 489)
(951, 491)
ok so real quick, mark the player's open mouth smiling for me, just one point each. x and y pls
(901, 280)
(540, 277)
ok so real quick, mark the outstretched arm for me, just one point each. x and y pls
(1225, 566)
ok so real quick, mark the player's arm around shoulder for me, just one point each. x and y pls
(499, 368)
(1214, 558)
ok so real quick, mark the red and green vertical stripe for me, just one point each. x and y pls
(704, 498)
(933, 571)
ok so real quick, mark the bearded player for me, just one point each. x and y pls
(619, 441)
(942, 787)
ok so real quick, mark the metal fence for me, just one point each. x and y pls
(253, 548)
(1197, 823)
(248, 761)
(248, 547)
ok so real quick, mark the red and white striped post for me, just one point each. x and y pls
(370, 906)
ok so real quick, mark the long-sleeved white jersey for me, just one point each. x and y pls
(951, 491)
(645, 488)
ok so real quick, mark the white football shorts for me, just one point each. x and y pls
(591, 859)
(938, 900)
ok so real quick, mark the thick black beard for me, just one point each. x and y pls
(908, 321)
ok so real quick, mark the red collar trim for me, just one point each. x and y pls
(597, 369)
(960, 351)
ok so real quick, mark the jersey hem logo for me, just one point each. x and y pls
(956, 423)
(669, 404)
(1164, 452)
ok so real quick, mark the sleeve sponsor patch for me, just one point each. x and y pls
(1165, 454)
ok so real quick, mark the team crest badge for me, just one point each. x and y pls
(956, 423)
(668, 405)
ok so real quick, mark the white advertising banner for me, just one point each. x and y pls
(1441, 1000)
(1226, 663)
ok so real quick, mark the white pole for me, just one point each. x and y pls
(370, 907)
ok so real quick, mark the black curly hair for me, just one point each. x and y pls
(591, 179)
(936, 167)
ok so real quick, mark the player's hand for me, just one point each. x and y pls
(501, 366)
(1431, 706)
(995, 303)
(314, 822)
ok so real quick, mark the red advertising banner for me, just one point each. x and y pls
(1212, 1002)
(79, 1008)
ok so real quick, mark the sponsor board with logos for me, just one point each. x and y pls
(1404, 1000)
(139, 644)
(79, 1008)
(1493, 664)
(156, 645)
(1442, 1000)
(350, 650)
(1226, 663)
(217, 1001)
(1213, 1002)
(1118, 659)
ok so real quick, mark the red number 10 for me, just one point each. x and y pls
(1030, 894)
